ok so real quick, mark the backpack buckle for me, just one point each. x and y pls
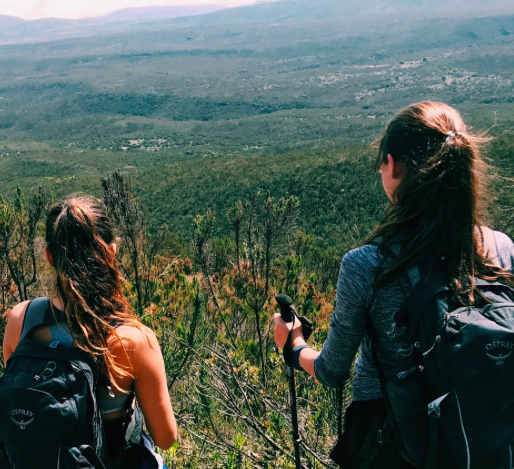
(384, 434)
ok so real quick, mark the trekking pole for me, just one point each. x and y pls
(288, 314)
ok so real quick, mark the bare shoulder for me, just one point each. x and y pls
(15, 320)
(14, 327)
(133, 338)
(17, 314)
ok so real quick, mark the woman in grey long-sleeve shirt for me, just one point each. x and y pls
(349, 321)
(432, 172)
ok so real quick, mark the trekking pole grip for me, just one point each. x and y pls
(286, 307)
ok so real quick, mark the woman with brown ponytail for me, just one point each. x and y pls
(97, 318)
(433, 175)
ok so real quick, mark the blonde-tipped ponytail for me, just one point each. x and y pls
(79, 234)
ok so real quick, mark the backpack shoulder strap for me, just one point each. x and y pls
(392, 252)
(491, 250)
(428, 287)
(38, 314)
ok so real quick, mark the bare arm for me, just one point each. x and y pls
(307, 357)
(150, 383)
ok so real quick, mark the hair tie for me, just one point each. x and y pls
(451, 136)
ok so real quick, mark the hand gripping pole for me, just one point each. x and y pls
(288, 314)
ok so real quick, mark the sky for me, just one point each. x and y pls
(34, 9)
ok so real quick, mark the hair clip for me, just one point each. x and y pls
(450, 137)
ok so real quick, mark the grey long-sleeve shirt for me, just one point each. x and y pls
(353, 306)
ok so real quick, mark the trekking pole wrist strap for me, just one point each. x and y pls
(296, 352)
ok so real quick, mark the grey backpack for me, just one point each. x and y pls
(452, 406)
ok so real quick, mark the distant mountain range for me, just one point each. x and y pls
(260, 2)
(126, 14)
(158, 12)
(307, 10)
(55, 28)
(15, 30)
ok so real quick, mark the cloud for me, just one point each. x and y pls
(33, 9)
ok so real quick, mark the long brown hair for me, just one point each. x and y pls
(439, 205)
(79, 235)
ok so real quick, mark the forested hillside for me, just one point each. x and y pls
(241, 140)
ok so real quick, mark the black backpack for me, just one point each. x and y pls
(48, 411)
(453, 405)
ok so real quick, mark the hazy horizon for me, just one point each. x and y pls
(75, 9)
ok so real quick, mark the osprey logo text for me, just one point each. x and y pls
(23, 418)
(500, 358)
